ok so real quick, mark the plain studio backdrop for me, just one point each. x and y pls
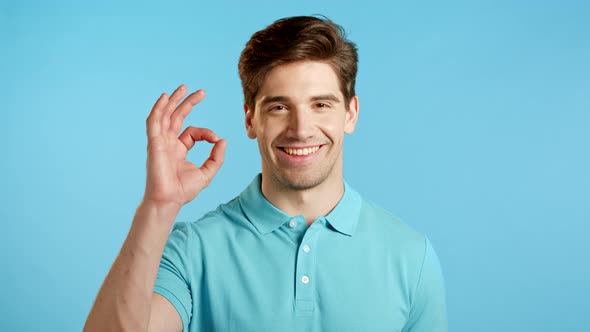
(474, 129)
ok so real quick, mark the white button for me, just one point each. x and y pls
(306, 248)
(292, 223)
(305, 279)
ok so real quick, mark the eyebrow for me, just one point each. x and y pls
(273, 99)
(330, 97)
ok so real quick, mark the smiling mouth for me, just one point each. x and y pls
(301, 151)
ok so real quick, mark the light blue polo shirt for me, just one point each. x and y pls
(248, 266)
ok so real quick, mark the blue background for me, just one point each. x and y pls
(474, 129)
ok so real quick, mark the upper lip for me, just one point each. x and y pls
(299, 147)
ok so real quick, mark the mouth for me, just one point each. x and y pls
(306, 151)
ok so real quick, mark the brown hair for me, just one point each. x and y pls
(294, 39)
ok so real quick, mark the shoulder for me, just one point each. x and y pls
(225, 212)
(404, 245)
(375, 218)
(226, 218)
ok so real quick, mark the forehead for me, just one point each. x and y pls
(300, 80)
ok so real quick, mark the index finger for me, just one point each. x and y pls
(153, 124)
(184, 109)
(194, 134)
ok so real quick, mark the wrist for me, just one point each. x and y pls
(162, 207)
(157, 212)
(150, 228)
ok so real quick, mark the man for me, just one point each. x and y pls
(298, 249)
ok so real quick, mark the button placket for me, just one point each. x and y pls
(305, 270)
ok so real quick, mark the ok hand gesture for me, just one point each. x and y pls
(171, 179)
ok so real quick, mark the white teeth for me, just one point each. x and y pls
(301, 152)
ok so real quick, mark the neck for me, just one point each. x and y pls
(311, 202)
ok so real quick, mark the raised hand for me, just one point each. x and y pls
(171, 179)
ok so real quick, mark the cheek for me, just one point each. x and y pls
(272, 128)
(334, 128)
(267, 134)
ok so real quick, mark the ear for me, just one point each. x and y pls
(249, 118)
(352, 115)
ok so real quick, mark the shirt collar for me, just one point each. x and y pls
(266, 217)
(345, 215)
(261, 213)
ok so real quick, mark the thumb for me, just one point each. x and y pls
(215, 160)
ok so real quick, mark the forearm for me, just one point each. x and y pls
(124, 300)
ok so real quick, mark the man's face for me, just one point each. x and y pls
(299, 120)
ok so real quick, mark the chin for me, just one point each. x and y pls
(300, 180)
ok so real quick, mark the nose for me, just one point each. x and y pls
(300, 123)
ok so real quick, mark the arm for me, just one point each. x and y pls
(167, 319)
(126, 301)
(428, 311)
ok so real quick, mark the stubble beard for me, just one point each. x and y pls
(301, 180)
(304, 178)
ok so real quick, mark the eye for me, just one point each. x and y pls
(277, 108)
(322, 105)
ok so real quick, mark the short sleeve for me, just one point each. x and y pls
(428, 311)
(173, 279)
